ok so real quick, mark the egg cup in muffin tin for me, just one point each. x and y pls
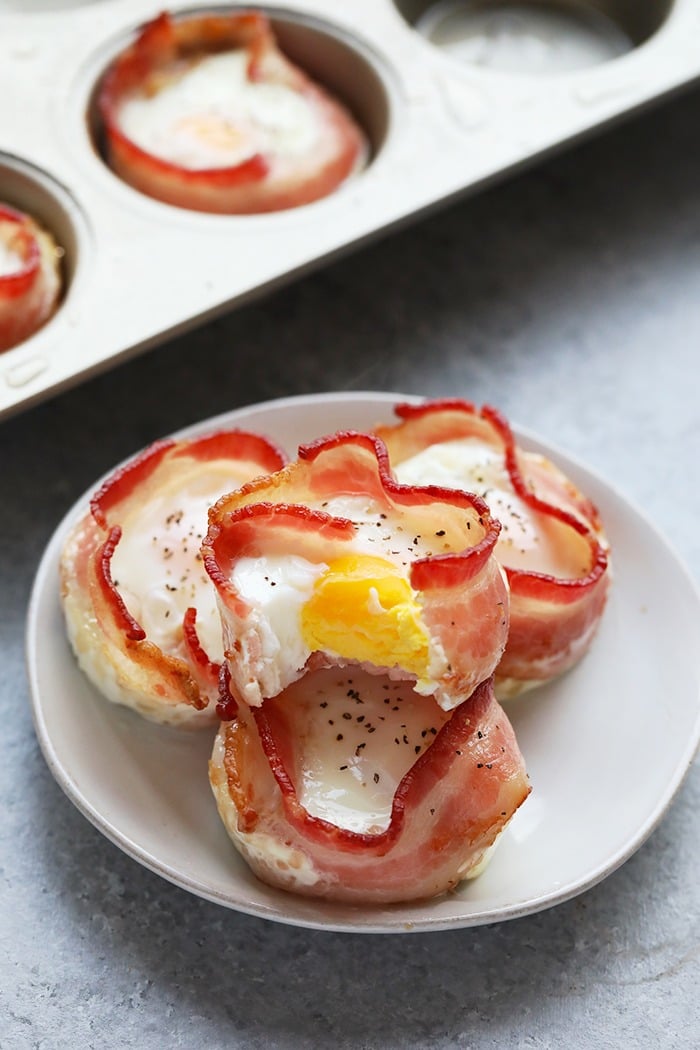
(450, 96)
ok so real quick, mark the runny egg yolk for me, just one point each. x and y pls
(363, 608)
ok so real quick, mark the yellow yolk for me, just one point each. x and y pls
(213, 131)
(362, 608)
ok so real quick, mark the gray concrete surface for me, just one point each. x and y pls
(570, 297)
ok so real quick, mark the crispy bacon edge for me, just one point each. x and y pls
(253, 185)
(552, 620)
(29, 296)
(447, 813)
(162, 687)
(469, 580)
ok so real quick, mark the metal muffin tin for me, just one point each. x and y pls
(138, 271)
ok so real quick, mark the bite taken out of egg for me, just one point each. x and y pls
(354, 787)
(140, 611)
(330, 563)
(205, 112)
(552, 545)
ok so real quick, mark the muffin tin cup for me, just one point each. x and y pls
(35, 192)
(138, 270)
(535, 36)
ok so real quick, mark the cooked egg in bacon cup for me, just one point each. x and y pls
(354, 787)
(140, 611)
(331, 562)
(30, 276)
(363, 755)
(205, 112)
(551, 544)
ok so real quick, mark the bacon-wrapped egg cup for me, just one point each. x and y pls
(206, 113)
(551, 545)
(330, 562)
(363, 755)
(353, 787)
(140, 611)
(30, 276)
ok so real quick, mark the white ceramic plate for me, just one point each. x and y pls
(606, 747)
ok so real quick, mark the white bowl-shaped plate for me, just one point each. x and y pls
(606, 746)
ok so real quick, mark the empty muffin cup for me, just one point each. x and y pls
(534, 36)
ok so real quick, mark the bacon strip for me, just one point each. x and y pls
(460, 588)
(28, 295)
(197, 653)
(552, 618)
(447, 811)
(112, 647)
(164, 50)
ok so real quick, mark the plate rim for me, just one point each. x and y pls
(363, 921)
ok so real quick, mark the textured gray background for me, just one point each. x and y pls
(570, 297)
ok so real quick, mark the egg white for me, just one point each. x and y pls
(157, 565)
(528, 540)
(10, 260)
(213, 116)
(277, 587)
(360, 734)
